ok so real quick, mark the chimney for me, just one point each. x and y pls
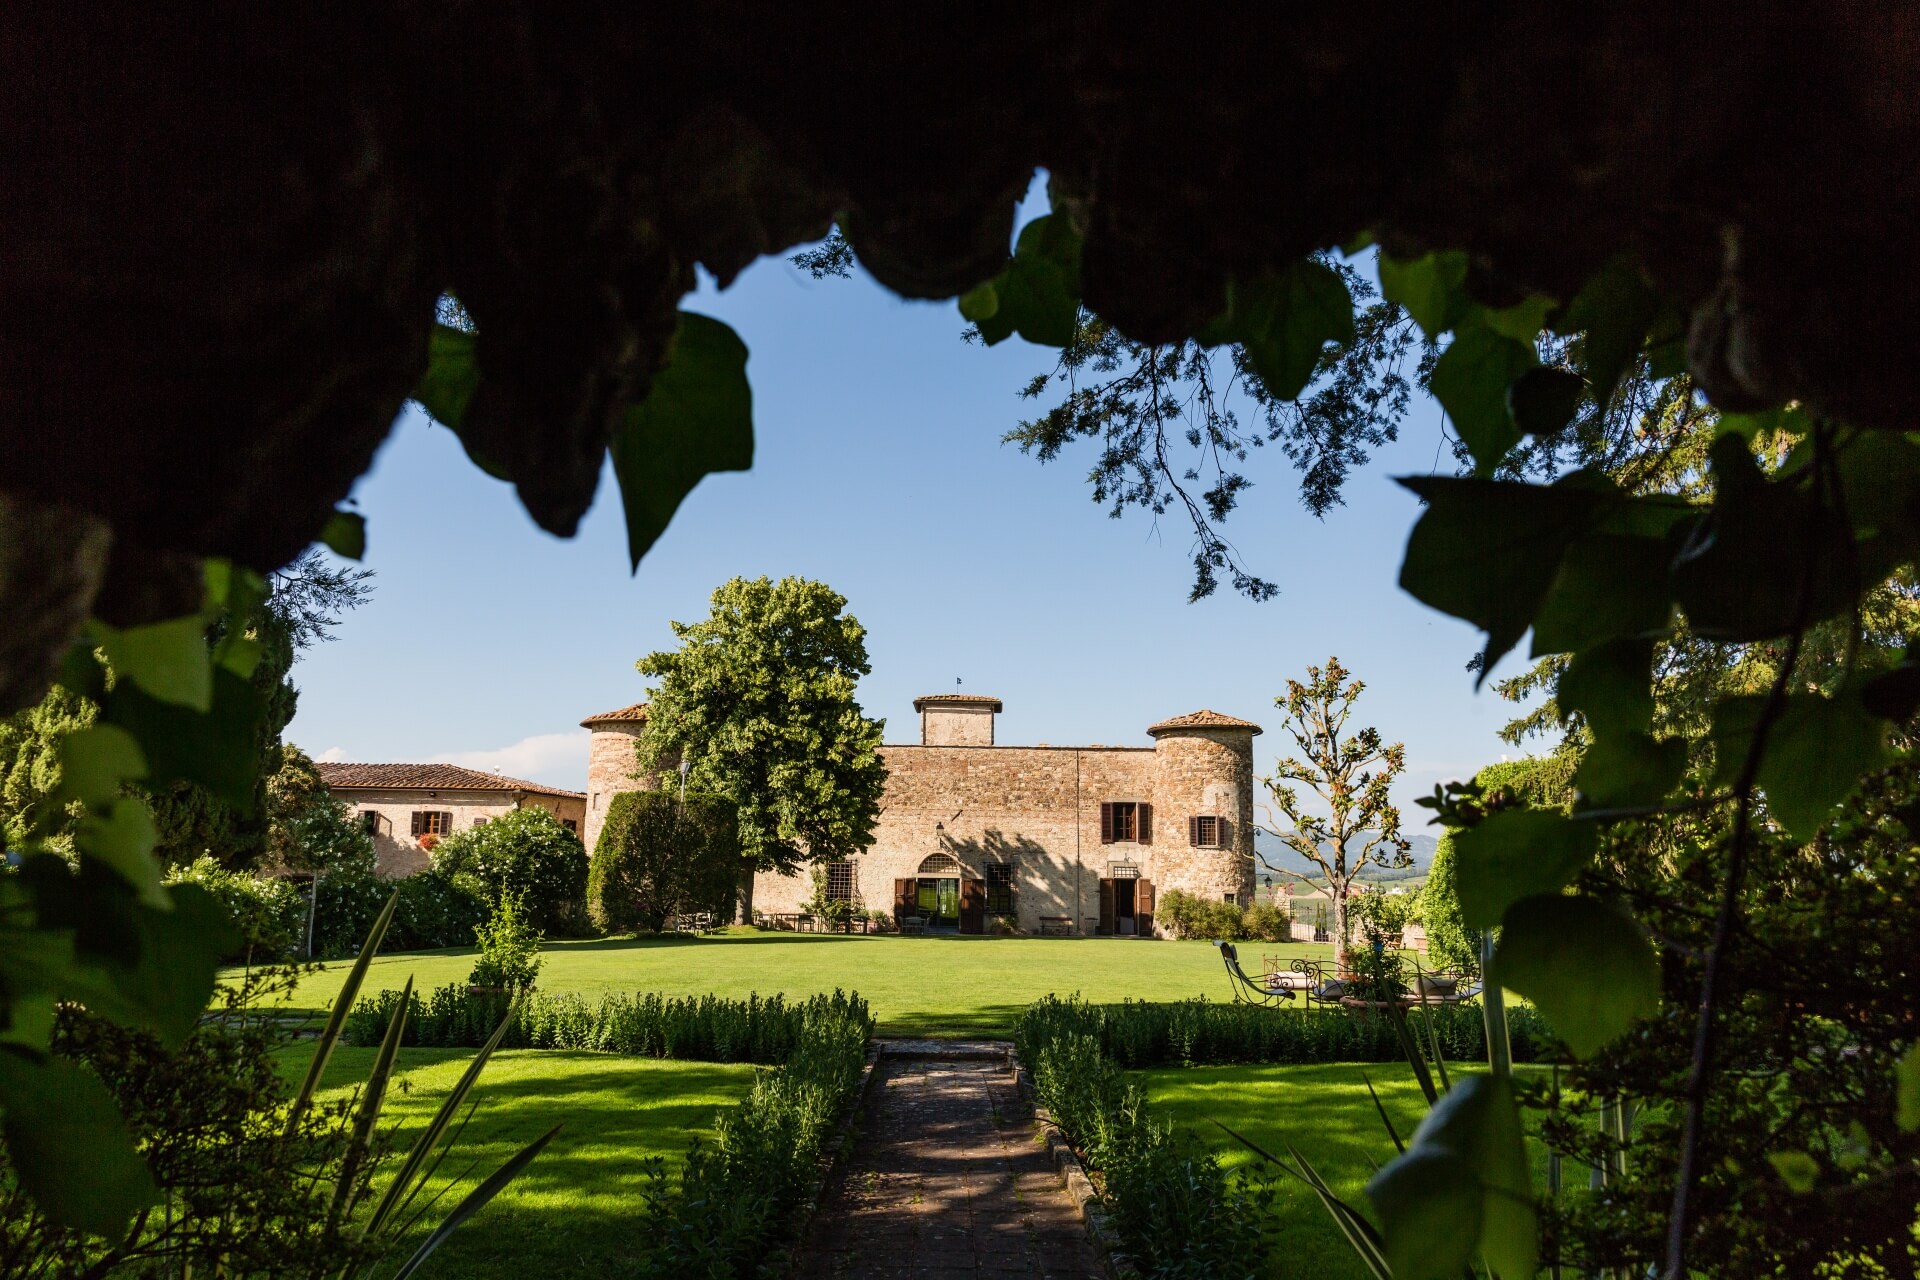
(956, 719)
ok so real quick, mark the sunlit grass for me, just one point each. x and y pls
(931, 986)
(1322, 1110)
(573, 1210)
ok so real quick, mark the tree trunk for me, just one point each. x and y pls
(1338, 889)
(746, 896)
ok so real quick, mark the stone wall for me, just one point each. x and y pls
(1038, 809)
(959, 725)
(611, 768)
(395, 849)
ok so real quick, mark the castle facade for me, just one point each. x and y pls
(977, 837)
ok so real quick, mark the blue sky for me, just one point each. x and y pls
(879, 469)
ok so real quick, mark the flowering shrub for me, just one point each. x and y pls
(526, 852)
(271, 915)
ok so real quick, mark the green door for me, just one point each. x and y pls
(939, 901)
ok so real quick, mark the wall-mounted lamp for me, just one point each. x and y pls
(939, 826)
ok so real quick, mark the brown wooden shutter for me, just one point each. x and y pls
(973, 906)
(417, 818)
(1193, 831)
(446, 823)
(1143, 907)
(1106, 908)
(905, 898)
(1143, 816)
(1106, 824)
(1224, 828)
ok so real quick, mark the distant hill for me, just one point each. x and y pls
(1274, 852)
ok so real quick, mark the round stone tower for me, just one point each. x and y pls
(1203, 805)
(611, 764)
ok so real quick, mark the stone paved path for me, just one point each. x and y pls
(945, 1180)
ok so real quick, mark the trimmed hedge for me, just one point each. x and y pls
(741, 1199)
(694, 1028)
(434, 911)
(1199, 1032)
(661, 854)
(1177, 1211)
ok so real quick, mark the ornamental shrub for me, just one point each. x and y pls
(434, 911)
(527, 852)
(271, 915)
(1188, 915)
(1451, 944)
(509, 950)
(659, 856)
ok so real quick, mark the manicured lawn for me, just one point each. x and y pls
(1324, 1111)
(931, 986)
(572, 1212)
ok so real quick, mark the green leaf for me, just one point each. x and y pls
(180, 949)
(1734, 720)
(1607, 586)
(1429, 1204)
(218, 750)
(1815, 757)
(1038, 295)
(1796, 1168)
(1611, 686)
(1544, 401)
(68, 1145)
(980, 302)
(1464, 1187)
(1588, 968)
(1471, 381)
(95, 761)
(170, 660)
(1517, 854)
(121, 834)
(346, 535)
(1630, 770)
(1430, 288)
(445, 391)
(698, 419)
(1614, 309)
(1894, 694)
(1523, 321)
(1285, 320)
(1906, 1079)
(1488, 551)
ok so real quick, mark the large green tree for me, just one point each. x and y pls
(759, 702)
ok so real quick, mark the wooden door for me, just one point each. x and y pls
(1143, 908)
(1106, 909)
(904, 901)
(973, 906)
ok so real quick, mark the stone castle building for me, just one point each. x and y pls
(398, 804)
(1077, 840)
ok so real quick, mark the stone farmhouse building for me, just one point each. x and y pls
(401, 803)
(1074, 840)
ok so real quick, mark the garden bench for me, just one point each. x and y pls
(1056, 926)
(913, 924)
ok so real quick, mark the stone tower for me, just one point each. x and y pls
(1203, 802)
(956, 719)
(611, 763)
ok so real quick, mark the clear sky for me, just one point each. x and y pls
(879, 470)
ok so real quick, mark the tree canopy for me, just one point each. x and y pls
(759, 700)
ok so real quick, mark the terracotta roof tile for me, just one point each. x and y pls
(1202, 720)
(636, 712)
(431, 777)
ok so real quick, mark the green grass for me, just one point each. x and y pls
(1324, 1111)
(572, 1211)
(931, 986)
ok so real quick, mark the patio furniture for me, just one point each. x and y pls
(913, 924)
(1246, 989)
(1445, 987)
(1056, 926)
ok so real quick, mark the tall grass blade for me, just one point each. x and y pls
(423, 1146)
(1493, 1007)
(371, 1100)
(337, 1018)
(1415, 1059)
(476, 1200)
(1433, 1047)
(1385, 1119)
(1361, 1236)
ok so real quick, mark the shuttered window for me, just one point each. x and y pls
(370, 819)
(432, 822)
(1127, 820)
(843, 881)
(1209, 831)
(1000, 888)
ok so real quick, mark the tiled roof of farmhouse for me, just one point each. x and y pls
(1203, 720)
(431, 777)
(964, 699)
(638, 711)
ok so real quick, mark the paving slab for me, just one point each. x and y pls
(945, 1178)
